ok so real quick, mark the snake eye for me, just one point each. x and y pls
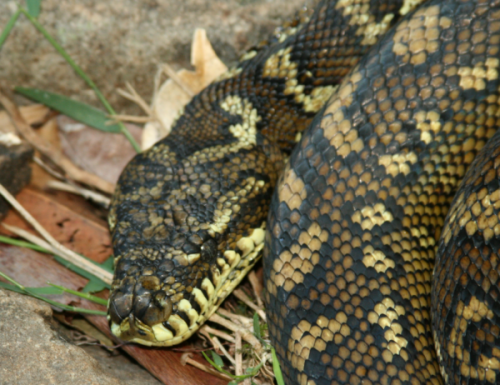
(209, 250)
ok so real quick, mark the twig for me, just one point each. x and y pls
(175, 78)
(30, 237)
(256, 287)
(245, 334)
(186, 359)
(219, 346)
(87, 194)
(50, 151)
(238, 357)
(242, 320)
(217, 333)
(136, 98)
(63, 251)
(243, 297)
(131, 118)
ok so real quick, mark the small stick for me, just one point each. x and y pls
(245, 333)
(175, 78)
(30, 237)
(243, 297)
(50, 151)
(220, 347)
(217, 333)
(244, 321)
(256, 287)
(186, 359)
(131, 118)
(87, 194)
(237, 354)
(63, 251)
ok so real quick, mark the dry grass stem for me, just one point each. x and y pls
(131, 118)
(175, 78)
(246, 334)
(133, 96)
(50, 151)
(62, 251)
(87, 194)
(242, 320)
(207, 329)
(221, 348)
(238, 357)
(256, 287)
(29, 237)
(186, 359)
(240, 294)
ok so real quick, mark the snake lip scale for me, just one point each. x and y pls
(335, 149)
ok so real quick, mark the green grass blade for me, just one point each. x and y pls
(277, 369)
(89, 297)
(36, 290)
(18, 242)
(33, 7)
(33, 293)
(97, 284)
(81, 112)
(83, 75)
(8, 28)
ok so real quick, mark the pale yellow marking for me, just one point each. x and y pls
(306, 336)
(192, 258)
(476, 77)
(185, 306)
(386, 314)
(207, 285)
(398, 163)
(408, 6)
(370, 216)
(474, 312)
(292, 191)
(360, 16)
(200, 299)
(316, 100)
(233, 72)
(162, 333)
(251, 187)
(377, 259)
(180, 326)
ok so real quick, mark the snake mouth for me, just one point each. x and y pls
(139, 318)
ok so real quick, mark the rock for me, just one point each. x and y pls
(31, 352)
(123, 41)
(15, 170)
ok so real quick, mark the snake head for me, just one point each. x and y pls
(163, 302)
(160, 301)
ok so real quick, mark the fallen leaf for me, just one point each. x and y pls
(101, 153)
(175, 94)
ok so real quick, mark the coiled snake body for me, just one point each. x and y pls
(357, 214)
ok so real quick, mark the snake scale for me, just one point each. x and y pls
(391, 103)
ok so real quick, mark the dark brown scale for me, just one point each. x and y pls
(466, 295)
(356, 217)
(179, 189)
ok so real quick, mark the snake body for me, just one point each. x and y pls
(357, 214)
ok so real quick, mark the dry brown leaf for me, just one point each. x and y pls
(176, 93)
(33, 114)
(101, 153)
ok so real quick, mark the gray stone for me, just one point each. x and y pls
(120, 41)
(32, 352)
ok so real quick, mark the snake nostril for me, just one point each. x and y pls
(120, 306)
(153, 309)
